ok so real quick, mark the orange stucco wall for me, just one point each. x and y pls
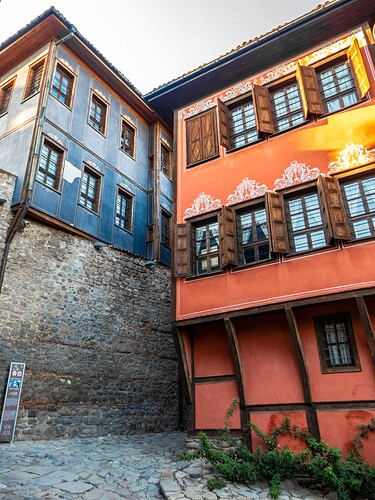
(212, 356)
(211, 403)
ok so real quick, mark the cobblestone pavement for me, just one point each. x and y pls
(133, 467)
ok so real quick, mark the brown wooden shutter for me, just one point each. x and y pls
(310, 92)
(279, 241)
(263, 111)
(193, 141)
(354, 54)
(227, 240)
(209, 135)
(182, 250)
(333, 210)
(224, 124)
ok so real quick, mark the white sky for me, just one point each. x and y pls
(154, 41)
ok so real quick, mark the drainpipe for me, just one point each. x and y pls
(33, 156)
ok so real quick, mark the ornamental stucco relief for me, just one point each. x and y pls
(353, 155)
(246, 190)
(202, 204)
(295, 174)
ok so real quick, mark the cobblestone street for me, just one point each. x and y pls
(133, 466)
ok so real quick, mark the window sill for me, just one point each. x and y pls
(341, 369)
(98, 131)
(54, 190)
(244, 146)
(276, 134)
(3, 114)
(63, 103)
(206, 275)
(307, 252)
(191, 165)
(241, 267)
(89, 209)
(342, 109)
(127, 154)
(30, 96)
(124, 229)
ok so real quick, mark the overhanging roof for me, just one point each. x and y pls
(323, 23)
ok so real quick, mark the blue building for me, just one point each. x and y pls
(90, 155)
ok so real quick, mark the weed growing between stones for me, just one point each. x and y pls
(350, 476)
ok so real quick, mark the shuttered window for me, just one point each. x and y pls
(287, 107)
(50, 165)
(336, 343)
(90, 189)
(62, 85)
(5, 96)
(359, 200)
(124, 210)
(205, 244)
(305, 223)
(34, 79)
(98, 114)
(252, 235)
(127, 140)
(165, 160)
(165, 224)
(201, 137)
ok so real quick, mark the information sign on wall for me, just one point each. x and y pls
(11, 402)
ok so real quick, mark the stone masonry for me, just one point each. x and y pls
(93, 327)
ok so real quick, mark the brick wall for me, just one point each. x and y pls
(93, 328)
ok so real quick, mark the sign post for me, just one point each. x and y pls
(11, 402)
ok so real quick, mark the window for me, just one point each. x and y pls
(127, 141)
(206, 247)
(201, 137)
(165, 160)
(287, 108)
(62, 86)
(5, 96)
(90, 189)
(124, 209)
(252, 236)
(50, 165)
(166, 229)
(98, 113)
(359, 201)
(336, 343)
(338, 87)
(305, 223)
(35, 79)
(243, 127)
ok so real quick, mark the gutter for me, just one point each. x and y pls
(35, 149)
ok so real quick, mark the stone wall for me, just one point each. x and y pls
(7, 182)
(93, 327)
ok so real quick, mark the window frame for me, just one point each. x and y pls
(194, 225)
(188, 140)
(57, 148)
(41, 62)
(126, 124)
(165, 215)
(252, 207)
(98, 189)
(8, 85)
(105, 105)
(130, 201)
(342, 368)
(71, 78)
(168, 170)
(241, 102)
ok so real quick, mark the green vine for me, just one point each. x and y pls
(325, 465)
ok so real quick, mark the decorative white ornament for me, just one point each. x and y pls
(202, 204)
(100, 94)
(239, 89)
(56, 139)
(65, 63)
(281, 70)
(128, 119)
(295, 174)
(352, 155)
(127, 188)
(247, 190)
(93, 165)
(197, 108)
(164, 141)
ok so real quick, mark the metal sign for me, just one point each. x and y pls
(11, 402)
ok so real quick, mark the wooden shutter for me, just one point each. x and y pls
(209, 134)
(310, 92)
(224, 124)
(182, 251)
(354, 54)
(333, 210)
(193, 141)
(227, 241)
(279, 241)
(263, 111)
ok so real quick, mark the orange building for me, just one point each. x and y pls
(275, 225)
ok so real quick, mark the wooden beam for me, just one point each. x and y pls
(272, 308)
(182, 361)
(236, 356)
(311, 417)
(367, 325)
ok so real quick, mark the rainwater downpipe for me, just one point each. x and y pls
(33, 156)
